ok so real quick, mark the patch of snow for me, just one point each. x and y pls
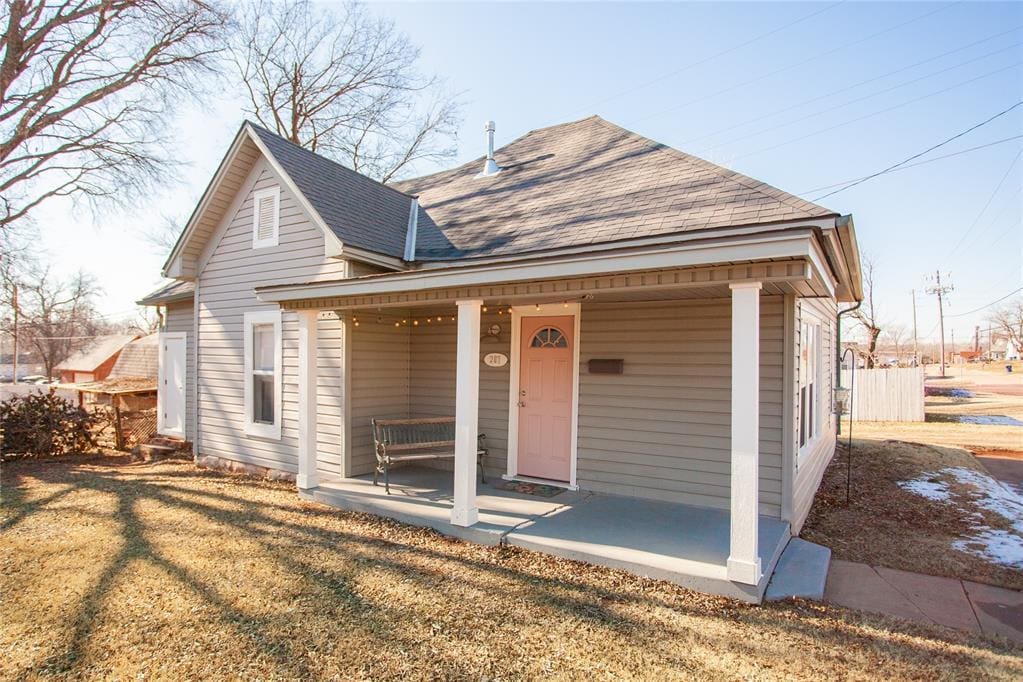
(938, 491)
(995, 545)
(987, 420)
(1004, 547)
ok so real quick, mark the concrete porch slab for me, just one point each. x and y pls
(421, 496)
(679, 543)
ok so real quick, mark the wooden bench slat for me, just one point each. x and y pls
(413, 422)
(420, 446)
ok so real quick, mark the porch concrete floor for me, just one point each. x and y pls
(680, 543)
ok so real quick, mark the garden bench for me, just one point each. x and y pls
(397, 441)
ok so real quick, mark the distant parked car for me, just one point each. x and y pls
(33, 379)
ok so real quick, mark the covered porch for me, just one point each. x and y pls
(683, 544)
(680, 423)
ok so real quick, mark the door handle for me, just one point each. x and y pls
(522, 403)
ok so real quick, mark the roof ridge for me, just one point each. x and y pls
(746, 181)
(326, 158)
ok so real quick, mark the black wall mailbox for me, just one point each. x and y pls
(606, 366)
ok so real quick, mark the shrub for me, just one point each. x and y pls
(42, 425)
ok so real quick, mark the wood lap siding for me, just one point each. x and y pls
(811, 469)
(225, 294)
(432, 382)
(380, 379)
(661, 429)
(179, 318)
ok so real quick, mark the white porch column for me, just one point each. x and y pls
(307, 342)
(743, 560)
(467, 393)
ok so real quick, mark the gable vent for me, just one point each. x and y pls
(266, 217)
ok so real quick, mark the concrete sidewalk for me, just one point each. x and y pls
(929, 599)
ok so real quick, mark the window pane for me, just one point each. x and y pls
(549, 337)
(263, 399)
(263, 347)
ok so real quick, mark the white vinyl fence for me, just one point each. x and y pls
(887, 395)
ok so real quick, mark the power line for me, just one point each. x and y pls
(882, 111)
(709, 58)
(815, 58)
(918, 163)
(828, 95)
(917, 156)
(977, 310)
(987, 203)
(871, 95)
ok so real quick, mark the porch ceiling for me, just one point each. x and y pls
(795, 276)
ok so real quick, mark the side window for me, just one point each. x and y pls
(266, 217)
(810, 380)
(263, 374)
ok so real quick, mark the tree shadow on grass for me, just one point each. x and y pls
(282, 540)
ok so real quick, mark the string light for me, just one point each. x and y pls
(397, 324)
(484, 308)
(415, 323)
(537, 306)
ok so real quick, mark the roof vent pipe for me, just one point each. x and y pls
(490, 166)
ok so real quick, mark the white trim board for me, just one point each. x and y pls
(542, 310)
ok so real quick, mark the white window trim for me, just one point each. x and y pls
(517, 313)
(275, 193)
(253, 428)
(807, 448)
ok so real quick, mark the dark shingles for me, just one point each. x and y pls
(586, 182)
(359, 210)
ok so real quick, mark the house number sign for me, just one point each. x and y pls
(495, 359)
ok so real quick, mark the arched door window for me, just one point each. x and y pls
(549, 337)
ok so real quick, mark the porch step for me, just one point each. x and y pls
(801, 572)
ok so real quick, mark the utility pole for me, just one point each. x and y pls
(941, 292)
(976, 339)
(14, 301)
(916, 350)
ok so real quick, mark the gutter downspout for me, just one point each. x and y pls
(838, 356)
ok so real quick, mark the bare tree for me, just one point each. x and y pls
(85, 93)
(1008, 320)
(867, 313)
(58, 317)
(894, 338)
(343, 83)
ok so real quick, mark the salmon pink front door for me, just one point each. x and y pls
(545, 397)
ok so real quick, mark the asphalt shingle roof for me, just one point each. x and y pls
(174, 291)
(586, 182)
(359, 210)
(96, 353)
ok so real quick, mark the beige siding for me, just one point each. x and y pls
(179, 317)
(810, 465)
(432, 381)
(380, 384)
(662, 428)
(225, 293)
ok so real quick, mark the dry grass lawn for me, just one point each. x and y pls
(116, 570)
(885, 525)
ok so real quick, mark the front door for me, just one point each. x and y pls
(545, 397)
(171, 389)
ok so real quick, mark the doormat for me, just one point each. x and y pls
(527, 488)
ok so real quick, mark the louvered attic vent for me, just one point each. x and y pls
(266, 217)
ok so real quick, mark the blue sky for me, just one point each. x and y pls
(800, 95)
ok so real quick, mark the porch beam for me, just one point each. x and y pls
(307, 376)
(792, 273)
(467, 393)
(743, 558)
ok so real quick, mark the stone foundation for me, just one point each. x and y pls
(211, 462)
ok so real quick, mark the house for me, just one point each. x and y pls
(649, 332)
(95, 361)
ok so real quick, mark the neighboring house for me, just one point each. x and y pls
(616, 316)
(95, 361)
